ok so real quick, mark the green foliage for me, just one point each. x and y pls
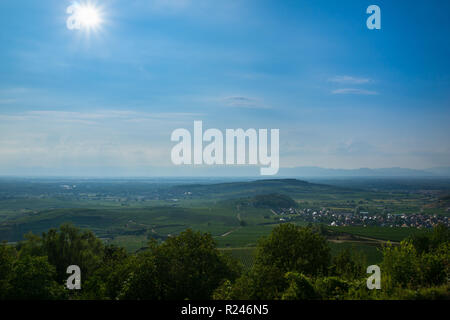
(224, 291)
(245, 256)
(401, 266)
(143, 283)
(300, 287)
(32, 246)
(267, 282)
(8, 256)
(64, 247)
(293, 248)
(348, 264)
(292, 263)
(108, 280)
(272, 201)
(71, 246)
(430, 241)
(187, 266)
(418, 262)
(33, 278)
(260, 283)
(358, 291)
(383, 233)
(117, 265)
(433, 269)
(191, 266)
(289, 248)
(433, 293)
(332, 288)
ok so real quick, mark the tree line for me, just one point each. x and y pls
(292, 263)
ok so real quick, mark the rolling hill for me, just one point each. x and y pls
(292, 187)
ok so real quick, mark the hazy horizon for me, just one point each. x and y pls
(343, 96)
(205, 172)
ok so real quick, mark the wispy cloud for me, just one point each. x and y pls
(354, 91)
(349, 80)
(244, 102)
(97, 117)
(355, 148)
(58, 138)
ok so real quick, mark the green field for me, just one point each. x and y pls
(129, 213)
(370, 252)
(246, 256)
(381, 233)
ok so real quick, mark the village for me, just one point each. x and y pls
(362, 218)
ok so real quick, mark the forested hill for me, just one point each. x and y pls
(269, 201)
(292, 187)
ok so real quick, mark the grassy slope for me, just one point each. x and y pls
(207, 208)
(381, 233)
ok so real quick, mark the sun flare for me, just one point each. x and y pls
(84, 16)
(88, 16)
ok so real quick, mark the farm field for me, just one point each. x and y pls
(128, 213)
(371, 253)
(380, 233)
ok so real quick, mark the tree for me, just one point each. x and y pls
(117, 265)
(433, 268)
(72, 246)
(430, 241)
(193, 266)
(348, 264)
(143, 283)
(332, 288)
(33, 278)
(294, 248)
(187, 266)
(289, 249)
(108, 281)
(401, 266)
(421, 243)
(32, 246)
(300, 287)
(440, 235)
(8, 256)
(260, 283)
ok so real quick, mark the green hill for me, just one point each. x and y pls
(269, 201)
(292, 187)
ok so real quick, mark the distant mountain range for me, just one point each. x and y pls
(364, 172)
(224, 171)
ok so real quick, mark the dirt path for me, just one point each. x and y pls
(229, 232)
(238, 216)
(377, 240)
(365, 240)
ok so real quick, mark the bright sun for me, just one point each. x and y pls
(88, 16)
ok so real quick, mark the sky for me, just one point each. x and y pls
(106, 101)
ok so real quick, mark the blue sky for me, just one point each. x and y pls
(342, 96)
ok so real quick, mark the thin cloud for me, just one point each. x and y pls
(349, 80)
(244, 102)
(354, 91)
(92, 118)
